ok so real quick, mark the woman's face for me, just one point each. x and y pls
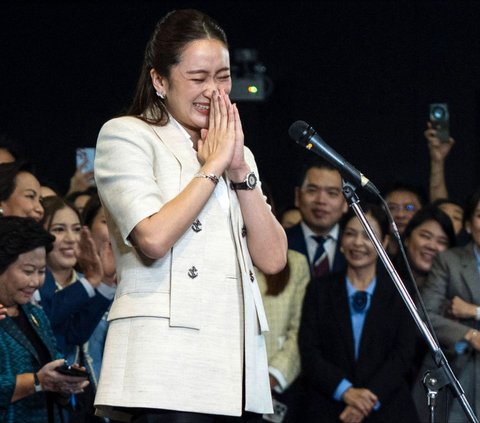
(23, 277)
(66, 227)
(25, 199)
(473, 226)
(424, 243)
(204, 67)
(356, 246)
(99, 229)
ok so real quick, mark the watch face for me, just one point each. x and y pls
(251, 180)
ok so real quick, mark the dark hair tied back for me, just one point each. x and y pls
(170, 37)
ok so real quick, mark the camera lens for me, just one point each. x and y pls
(438, 113)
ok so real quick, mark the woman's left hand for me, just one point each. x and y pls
(462, 310)
(238, 167)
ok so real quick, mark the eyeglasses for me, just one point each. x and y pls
(409, 207)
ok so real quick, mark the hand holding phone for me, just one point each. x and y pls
(439, 118)
(72, 371)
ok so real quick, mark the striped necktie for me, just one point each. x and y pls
(320, 263)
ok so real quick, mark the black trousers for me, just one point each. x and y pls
(168, 416)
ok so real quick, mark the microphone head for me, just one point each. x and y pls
(300, 132)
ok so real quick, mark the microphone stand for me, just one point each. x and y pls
(443, 375)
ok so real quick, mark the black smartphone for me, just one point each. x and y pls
(440, 118)
(71, 371)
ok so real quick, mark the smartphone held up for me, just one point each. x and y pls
(439, 119)
(85, 157)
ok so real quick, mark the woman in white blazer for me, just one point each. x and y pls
(188, 222)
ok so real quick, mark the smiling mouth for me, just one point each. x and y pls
(202, 107)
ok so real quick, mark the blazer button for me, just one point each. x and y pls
(197, 226)
(244, 231)
(192, 272)
(252, 278)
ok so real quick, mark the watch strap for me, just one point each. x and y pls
(245, 185)
(36, 383)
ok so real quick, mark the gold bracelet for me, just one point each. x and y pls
(211, 176)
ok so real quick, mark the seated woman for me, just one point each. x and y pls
(19, 191)
(27, 345)
(356, 337)
(74, 302)
(452, 298)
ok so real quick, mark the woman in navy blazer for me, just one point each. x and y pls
(356, 338)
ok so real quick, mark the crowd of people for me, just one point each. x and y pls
(172, 293)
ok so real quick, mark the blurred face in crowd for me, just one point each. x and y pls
(357, 247)
(66, 227)
(320, 199)
(424, 243)
(23, 277)
(6, 156)
(204, 67)
(473, 226)
(455, 213)
(402, 205)
(25, 199)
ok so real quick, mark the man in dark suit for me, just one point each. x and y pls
(319, 198)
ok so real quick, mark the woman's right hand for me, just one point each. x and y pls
(52, 380)
(89, 259)
(216, 144)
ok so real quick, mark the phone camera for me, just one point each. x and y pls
(439, 112)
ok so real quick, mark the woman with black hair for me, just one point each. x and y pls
(356, 338)
(28, 351)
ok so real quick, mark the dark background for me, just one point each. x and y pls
(361, 72)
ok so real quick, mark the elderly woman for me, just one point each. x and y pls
(27, 345)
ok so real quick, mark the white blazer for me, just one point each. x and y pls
(187, 328)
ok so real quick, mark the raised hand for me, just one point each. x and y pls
(238, 167)
(438, 150)
(108, 263)
(89, 259)
(215, 147)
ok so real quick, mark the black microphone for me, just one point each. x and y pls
(302, 133)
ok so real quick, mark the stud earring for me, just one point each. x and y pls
(161, 95)
(1, 211)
